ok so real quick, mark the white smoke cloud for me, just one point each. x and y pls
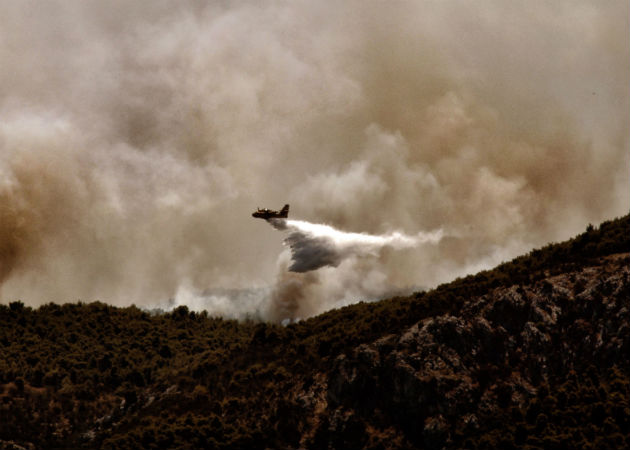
(137, 137)
(240, 304)
(324, 268)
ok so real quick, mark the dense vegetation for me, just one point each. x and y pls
(96, 376)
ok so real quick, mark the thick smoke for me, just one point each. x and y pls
(137, 137)
(313, 246)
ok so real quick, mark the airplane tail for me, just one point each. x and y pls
(284, 212)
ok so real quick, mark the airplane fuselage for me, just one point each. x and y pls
(267, 214)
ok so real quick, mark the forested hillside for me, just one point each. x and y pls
(532, 354)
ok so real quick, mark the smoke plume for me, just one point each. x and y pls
(137, 138)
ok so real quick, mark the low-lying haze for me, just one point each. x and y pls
(137, 138)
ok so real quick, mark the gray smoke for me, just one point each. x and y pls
(137, 137)
(297, 294)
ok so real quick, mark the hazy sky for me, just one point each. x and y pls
(136, 138)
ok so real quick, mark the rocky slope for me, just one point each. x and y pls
(453, 376)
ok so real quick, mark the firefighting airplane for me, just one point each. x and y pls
(270, 214)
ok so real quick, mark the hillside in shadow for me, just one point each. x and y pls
(532, 354)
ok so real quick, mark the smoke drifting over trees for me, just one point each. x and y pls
(136, 139)
(314, 246)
